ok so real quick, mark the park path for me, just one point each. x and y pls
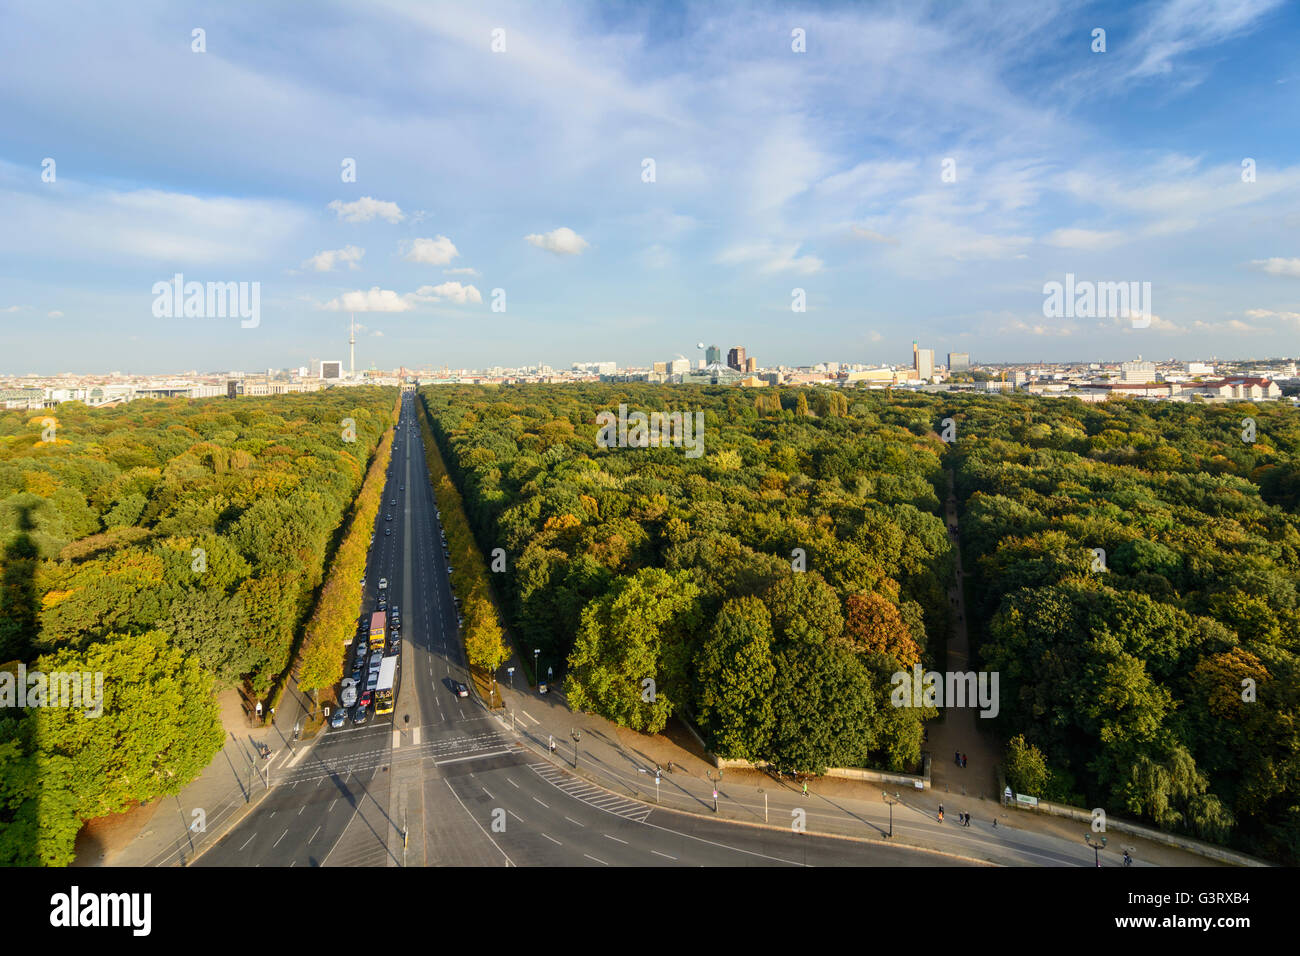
(960, 731)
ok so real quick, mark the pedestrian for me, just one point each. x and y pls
(941, 813)
(805, 788)
(963, 761)
(956, 756)
(995, 823)
(968, 819)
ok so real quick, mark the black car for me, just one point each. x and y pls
(358, 715)
(357, 673)
(460, 689)
(388, 517)
(388, 531)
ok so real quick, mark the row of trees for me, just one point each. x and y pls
(1134, 579)
(173, 547)
(643, 571)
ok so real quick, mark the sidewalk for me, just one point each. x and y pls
(169, 831)
(624, 762)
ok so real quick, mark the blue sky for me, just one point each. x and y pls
(774, 170)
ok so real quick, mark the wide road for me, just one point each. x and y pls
(455, 778)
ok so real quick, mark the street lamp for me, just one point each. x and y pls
(1096, 847)
(536, 673)
(576, 734)
(717, 782)
(896, 798)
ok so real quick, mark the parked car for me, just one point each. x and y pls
(339, 717)
(376, 659)
(357, 673)
(358, 715)
(365, 699)
(372, 681)
(348, 692)
(361, 651)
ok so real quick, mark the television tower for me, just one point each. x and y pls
(352, 348)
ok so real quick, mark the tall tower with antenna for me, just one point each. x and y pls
(352, 348)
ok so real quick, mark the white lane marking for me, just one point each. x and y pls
(397, 739)
(542, 803)
(331, 809)
(248, 841)
(303, 807)
(571, 820)
(614, 838)
(485, 790)
(529, 716)
(590, 857)
(512, 783)
(664, 855)
(515, 815)
(313, 836)
(509, 862)
(282, 836)
(552, 839)
(494, 753)
(415, 736)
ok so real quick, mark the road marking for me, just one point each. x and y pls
(248, 841)
(512, 783)
(494, 753)
(304, 807)
(615, 839)
(529, 716)
(590, 857)
(515, 815)
(485, 790)
(509, 862)
(552, 839)
(664, 855)
(282, 836)
(415, 736)
(397, 739)
(313, 836)
(542, 803)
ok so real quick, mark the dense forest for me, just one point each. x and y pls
(767, 587)
(173, 547)
(1134, 571)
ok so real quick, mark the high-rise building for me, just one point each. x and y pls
(923, 362)
(331, 369)
(736, 358)
(712, 355)
(660, 368)
(679, 366)
(958, 361)
(751, 364)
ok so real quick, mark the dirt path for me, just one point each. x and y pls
(960, 730)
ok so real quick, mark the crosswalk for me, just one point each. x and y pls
(590, 794)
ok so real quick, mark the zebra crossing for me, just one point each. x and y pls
(591, 794)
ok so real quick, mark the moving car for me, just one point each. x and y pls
(388, 531)
(383, 583)
(460, 689)
(388, 517)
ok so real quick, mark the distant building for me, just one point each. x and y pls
(923, 363)
(958, 361)
(679, 366)
(1135, 373)
(736, 358)
(712, 356)
(1199, 368)
(660, 368)
(330, 369)
(751, 364)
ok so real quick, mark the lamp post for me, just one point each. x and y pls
(717, 782)
(576, 734)
(511, 671)
(537, 674)
(891, 801)
(1096, 847)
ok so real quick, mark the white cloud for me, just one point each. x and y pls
(463, 271)
(872, 236)
(376, 300)
(1082, 238)
(771, 257)
(434, 252)
(366, 209)
(1279, 267)
(1270, 314)
(54, 314)
(448, 292)
(325, 261)
(563, 241)
(13, 308)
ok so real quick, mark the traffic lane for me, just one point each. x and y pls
(544, 825)
(295, 824)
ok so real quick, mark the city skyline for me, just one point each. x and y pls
(686, 177)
